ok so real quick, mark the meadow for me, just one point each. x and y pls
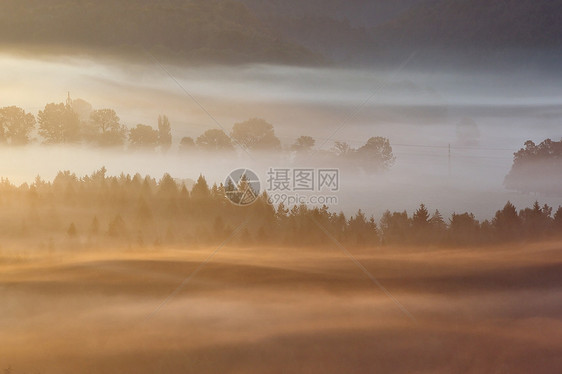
(274, 309)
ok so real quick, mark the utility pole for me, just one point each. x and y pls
(449, 159)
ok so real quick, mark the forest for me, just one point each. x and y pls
(195, 31)
(537, 168)
(96, 210)
(307, 32)
(76, 122)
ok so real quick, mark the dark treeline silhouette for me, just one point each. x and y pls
(290, 31)
(537, 168)
(461, 229)
(77, 122)
(184, 31)
(373, 31)
(96, 210)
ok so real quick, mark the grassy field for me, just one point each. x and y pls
(280, 310)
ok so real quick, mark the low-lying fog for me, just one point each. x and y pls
(485, 117)
(283, 310)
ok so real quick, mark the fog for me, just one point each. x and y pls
(484, 116)
(283, 310)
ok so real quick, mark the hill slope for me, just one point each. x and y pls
(187, 30)
(291, 31)
(375, 31)
(477, 23)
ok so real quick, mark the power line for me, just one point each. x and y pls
(430, 146)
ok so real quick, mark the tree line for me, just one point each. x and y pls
(76, 122)
(97, 210)
(537, 168)
(183, 31)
